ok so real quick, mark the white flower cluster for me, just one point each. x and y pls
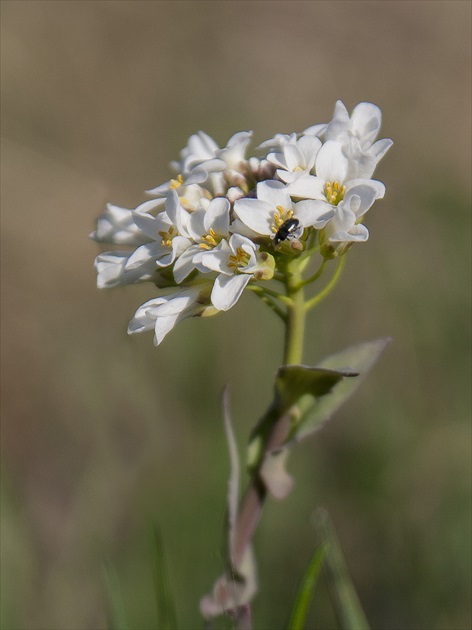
(227, 220)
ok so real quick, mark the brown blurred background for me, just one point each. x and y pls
(102, 432)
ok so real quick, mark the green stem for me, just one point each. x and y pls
(271, 304)
(316, 299)
(316, 275)
(295, 322)
(266, 291)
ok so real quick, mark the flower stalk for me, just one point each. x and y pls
(295, 324)
(225, 223)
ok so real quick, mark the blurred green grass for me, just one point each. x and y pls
(101, 433)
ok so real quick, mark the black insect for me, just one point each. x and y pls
(286, 230)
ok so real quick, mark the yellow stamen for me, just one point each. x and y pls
(209, 240)
(175, 183)
(334, 192)
(280, 217)
(239, 259)
(167, 236)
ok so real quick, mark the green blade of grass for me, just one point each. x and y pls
(116, 609)
(306, 590)
(166, 610)
(346, 603)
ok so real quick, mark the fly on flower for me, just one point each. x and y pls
(289, 229)
(217, 226)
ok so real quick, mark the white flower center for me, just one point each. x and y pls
(280, 217)
(166, 237)
(176, 183)
(209, 240)
(239, 259)
(334, 192)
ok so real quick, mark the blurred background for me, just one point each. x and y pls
(102, 433)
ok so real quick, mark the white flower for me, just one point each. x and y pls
(203, 161)
(112, 272)
(357, 133)
(116, 225)
(161, 314)
(364, 161)
(200, 148)
(206, 228)
(278, 141)
(167, 229)
(191, 194)
(236, 262)
(345, 226)
(316, 130)
(363, 124)
(333, 181)
(233, 154)
(273, 207)
(210, 230)
(295, 159)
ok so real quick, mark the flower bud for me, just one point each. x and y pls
(265, 266)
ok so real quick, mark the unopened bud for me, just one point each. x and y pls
(265, 266)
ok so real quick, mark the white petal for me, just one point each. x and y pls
(116, 225)
(288, 177)
(176, 213)
(274, 193)
(331, 163)
(293, 157)
(316, 130)
(144, 319)
(380, 148)
(145, 253)
(227, 290)
(309, 146)
(233, 153)
(196, 224)
(176, 302)
(184, 264)
(163, 326)
(179, 245)
(238, 227)
(217, 216)
(217, 259)
(238, 240)
(366, 190)
(256, 214)
(358, 233)
(111, 272)
(197, 176)
(277, 159)
(313, 213)
(307, 186)
(366, 120)
(148, 223)
(340, 122)
(159, 191)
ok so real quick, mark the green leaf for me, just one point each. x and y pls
(294, 381)
(308, 396)
(166, 611)
(116, 609)
(306, 590)
(345, 600)
(314, 411)
(233, 483)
